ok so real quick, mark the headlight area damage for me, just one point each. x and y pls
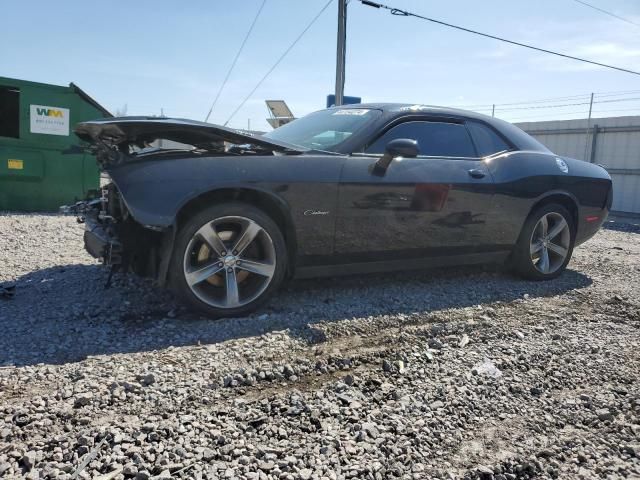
(117, 240)
(115, 233)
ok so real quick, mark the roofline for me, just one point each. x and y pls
(399, 109)
(15, 81)
(395, 107)
(72, 86)
(85, 96)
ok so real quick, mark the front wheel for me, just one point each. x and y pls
(228, 260)
(545, 244)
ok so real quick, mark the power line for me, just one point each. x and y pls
(537, 107)
(404, 13)
(595, 109)
(618, 110)
(540, 107)
(619, 100)
(233, 64)
(489, 106)
(606, 12)
(516, 119)
(279, 60)
(546, 100)
(540, 115)
(616, 94)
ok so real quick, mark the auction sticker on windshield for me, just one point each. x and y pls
(352, 111)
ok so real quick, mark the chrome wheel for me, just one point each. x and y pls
(550, 242)
(229, 262)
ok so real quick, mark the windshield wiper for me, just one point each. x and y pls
(152, 151)
(239, 149)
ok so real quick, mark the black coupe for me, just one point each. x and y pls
(224, 217)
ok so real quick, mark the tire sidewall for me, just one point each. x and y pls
(189, 229)
(521, 255)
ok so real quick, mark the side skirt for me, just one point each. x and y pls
(400, 265)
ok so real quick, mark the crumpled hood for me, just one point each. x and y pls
(138, 131)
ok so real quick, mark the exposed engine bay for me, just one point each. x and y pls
(116, 141)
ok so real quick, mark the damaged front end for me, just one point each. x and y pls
(101, 238)
(112, 236)
(154, 166)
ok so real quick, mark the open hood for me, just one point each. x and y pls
(141, 131)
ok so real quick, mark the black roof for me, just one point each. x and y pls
(517, 136)
(417, 108)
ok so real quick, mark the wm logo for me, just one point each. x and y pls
(49, 112)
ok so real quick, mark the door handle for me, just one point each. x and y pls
(477, 173)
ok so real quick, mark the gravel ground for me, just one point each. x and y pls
(446, 374)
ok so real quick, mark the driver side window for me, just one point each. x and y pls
(435, 139)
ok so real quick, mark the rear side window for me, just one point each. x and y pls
(487, 141)
(435, 139)
(9, 112)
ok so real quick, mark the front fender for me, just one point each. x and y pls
(155, 191)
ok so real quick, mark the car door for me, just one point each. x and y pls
(435, 204)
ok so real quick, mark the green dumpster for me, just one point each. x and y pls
(41, 167)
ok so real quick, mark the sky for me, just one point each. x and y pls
(153, 56)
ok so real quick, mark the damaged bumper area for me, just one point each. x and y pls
(100, 235)
(101, 244)
(112, 236)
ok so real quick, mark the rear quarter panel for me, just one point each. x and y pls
(525, 178)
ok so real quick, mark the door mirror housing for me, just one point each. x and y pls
(400, 147)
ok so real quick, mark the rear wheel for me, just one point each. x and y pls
(545, 244)
(228, 260)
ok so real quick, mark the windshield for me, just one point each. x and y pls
(326, 129)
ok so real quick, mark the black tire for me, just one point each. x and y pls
(521, 258)
(184, 241)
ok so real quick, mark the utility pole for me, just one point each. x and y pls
(586, 140)
(160, 143)
(493, 110)
(341, 51)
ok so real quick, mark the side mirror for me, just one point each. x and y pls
(400, 147)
